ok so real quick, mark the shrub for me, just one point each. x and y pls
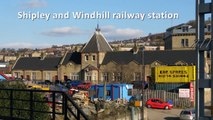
(20, 101)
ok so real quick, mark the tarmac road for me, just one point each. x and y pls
(161, 114)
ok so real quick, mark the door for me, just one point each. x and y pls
(65, 78)
(116, 92)
(56, 77)
(159, 103)
(28, 77)
(154, 103)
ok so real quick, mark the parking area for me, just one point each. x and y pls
(161, 114)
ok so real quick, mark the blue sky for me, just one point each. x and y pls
(21, 33)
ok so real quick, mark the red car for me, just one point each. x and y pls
(84, 86)
(158, 103)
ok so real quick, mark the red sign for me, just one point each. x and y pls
(192, 92)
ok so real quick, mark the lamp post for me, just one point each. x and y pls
(143, 80)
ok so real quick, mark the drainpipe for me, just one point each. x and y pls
(104, 89)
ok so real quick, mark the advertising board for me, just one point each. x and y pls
(174, 74)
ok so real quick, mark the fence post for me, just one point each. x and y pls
(65, 106)
(78, 115)
(53, 106)
(11, 103)
(164, 95)
(31, 105)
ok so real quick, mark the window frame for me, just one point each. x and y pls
(182, 42)
(187, 42)
(93, 58)
(108, 93)
(129, 92)
(86, 57)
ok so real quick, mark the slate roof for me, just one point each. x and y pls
(170, 57)
(192, 23)
(122, 57)
(36, 63)
(74, 57)
(97, 43)
(164, 57)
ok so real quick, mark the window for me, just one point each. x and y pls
(129, 92)
(137, 76)
(93, 58)
(86, 57)
(105, 77)
(117, 76)
(113, 76)
(108, 93)
(74, 76)
(17, 74)
(94, 77)
(185, 28)
(33, 75)
(186, 113)
(209, 27)
(208, 54)
(182, 42)
(48, 76)
(186, 42)
(88, 76)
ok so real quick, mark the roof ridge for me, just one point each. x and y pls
(97, 40)
(97, 43)
(62, 60)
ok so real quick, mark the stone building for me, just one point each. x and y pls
(183, 36)
(8, 58)
(36, 68)
(97, 62)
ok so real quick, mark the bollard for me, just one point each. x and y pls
(132, 113)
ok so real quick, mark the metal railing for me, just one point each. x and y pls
(35, 102)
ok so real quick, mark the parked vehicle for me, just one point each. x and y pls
(60, 87)
(58, 99)
(140, 84)
(84, 86)
(158, 103)
(72, 91)
(39, 87)
(187, 114)
(47, 82)
(67, 83)
(58, 82)
(3, 77)
(75, 83)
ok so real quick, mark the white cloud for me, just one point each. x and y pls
(24, 45)
(113, 33)
(35, 4)
(63, 31)
(110, 32)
